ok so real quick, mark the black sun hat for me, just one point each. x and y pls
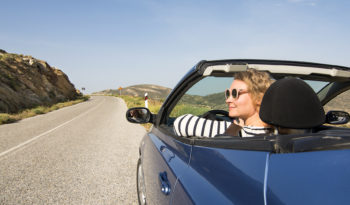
(291, 103)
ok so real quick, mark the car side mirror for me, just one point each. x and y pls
(337, 117)
(139, 115)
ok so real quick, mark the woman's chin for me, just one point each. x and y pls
(233, 114)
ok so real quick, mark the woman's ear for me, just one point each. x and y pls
(258, 103)
(259, 99)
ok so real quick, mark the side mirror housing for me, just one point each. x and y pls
(337, 117)
(139, 115)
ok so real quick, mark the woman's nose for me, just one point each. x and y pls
(229, 99)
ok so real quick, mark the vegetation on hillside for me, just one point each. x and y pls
(214, 101)
(10, 118)
(153, 105)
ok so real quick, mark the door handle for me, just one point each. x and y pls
(164, 183)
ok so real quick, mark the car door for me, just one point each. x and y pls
(318, 177)
(224, 176)
(164, 159)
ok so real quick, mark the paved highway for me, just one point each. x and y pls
(82, 154)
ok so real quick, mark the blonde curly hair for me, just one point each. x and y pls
(257, 82)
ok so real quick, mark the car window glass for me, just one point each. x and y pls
(207, 94)
(316, 85)
(339, 103)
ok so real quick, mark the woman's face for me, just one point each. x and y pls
(243, 106)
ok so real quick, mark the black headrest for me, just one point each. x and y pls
(291, 103)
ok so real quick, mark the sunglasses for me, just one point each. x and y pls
(234, 93)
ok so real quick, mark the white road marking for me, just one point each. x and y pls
(42, 134)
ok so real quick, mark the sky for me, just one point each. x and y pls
(107, 44)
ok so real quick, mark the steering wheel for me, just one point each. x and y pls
(219, 115)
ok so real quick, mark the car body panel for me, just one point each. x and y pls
(180, 195)
(159, 157)
(320, 177)
(223, 176)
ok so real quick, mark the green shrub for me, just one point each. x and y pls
(39, 110)
(55, 107)
(6, 118)
(9, 118)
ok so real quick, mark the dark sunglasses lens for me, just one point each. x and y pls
(227, 93)
(234, 93)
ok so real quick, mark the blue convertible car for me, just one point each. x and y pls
(301, 168)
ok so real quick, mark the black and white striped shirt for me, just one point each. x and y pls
(251, 131)
(190, 125)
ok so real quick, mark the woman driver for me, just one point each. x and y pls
(243, 100)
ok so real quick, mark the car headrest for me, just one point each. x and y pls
(291, 103)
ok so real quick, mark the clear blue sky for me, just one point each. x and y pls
(110, 43)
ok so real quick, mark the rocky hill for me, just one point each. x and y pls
(26, 82)
(154, 91)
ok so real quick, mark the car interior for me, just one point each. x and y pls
(295, 105)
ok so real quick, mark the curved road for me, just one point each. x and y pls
(82, 154)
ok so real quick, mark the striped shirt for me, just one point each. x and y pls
(251, 131)
(190, 125)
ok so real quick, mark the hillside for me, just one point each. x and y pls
(154, 91)
(26, 82)
(341, 102)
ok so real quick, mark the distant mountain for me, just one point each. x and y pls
(153, 91)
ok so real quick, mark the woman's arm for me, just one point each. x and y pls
(190, 125)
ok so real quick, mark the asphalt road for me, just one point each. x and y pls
(82, 154)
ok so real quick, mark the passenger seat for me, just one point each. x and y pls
(292, 107)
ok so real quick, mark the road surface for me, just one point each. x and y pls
(82, 154)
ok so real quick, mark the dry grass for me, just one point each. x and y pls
(10, 118)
